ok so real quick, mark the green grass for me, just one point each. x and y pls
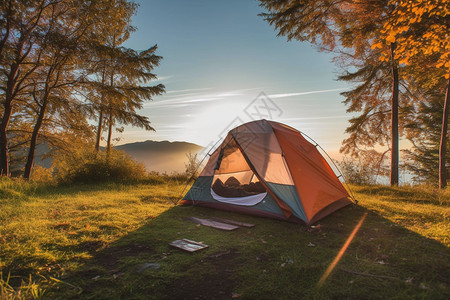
(92, 242)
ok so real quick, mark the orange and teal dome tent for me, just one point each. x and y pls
(269, 169)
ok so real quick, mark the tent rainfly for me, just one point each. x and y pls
(269, 169)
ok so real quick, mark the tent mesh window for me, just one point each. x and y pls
(233, 177)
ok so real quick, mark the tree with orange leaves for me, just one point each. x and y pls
(421, 30)
(348, 28)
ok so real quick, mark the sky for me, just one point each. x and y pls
(223, 65)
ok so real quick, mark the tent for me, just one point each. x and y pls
(269, 169)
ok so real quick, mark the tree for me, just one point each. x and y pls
(421, 29)
(126, 94)
(444, 140)
(45, 62)
(360, 25)
(348, 28)
(113, 32)
(370, 97)
(118, 74)
(425, 135)
(23, 20)
(52, 83)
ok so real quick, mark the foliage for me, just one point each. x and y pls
(92, 241)
(425, 136)
(88, 166)
(394, 52)
(50, 53)
(193, 166)
(42, 175)
(420, 29)
(366, 170)
(117, 77)
(347, 29)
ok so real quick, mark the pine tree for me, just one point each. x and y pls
(425, 135)
(130, 70)
(110, 35)
(118, 74)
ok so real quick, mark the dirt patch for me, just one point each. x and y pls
(218, 283)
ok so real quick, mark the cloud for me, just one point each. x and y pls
(275, 96)
(182, 101)
(163, 78)
(187, 90)
(315, 118)
(189, 98)
(186, 97)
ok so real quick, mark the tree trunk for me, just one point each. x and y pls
(99, 131)
(7, 112)
(110, 125)
(111, 117)
(443, 145)
(394, 120)
(4, 161)
(108, 141)
(33, 142)
(11, 84)
(100, 118)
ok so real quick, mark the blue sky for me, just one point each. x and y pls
(218, 56)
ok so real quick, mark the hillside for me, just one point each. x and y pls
(161, 156)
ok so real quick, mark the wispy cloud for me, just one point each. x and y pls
(188, 98)
(185, 97)
(163, 78)
(315, 118)
(187, 90)
(182, 101)
(275, 96)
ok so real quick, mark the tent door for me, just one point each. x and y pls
(234, 181)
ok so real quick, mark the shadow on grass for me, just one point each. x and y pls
(273, 260)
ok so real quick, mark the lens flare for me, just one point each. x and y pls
(341, 252)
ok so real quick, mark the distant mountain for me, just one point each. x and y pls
(162, 156)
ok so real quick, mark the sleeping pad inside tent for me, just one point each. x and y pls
(269, 169)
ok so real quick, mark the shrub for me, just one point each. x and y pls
(88, 166)
(41, 175)
(364, 170)
(193, 165)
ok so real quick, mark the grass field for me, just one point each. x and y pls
(110, 241)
